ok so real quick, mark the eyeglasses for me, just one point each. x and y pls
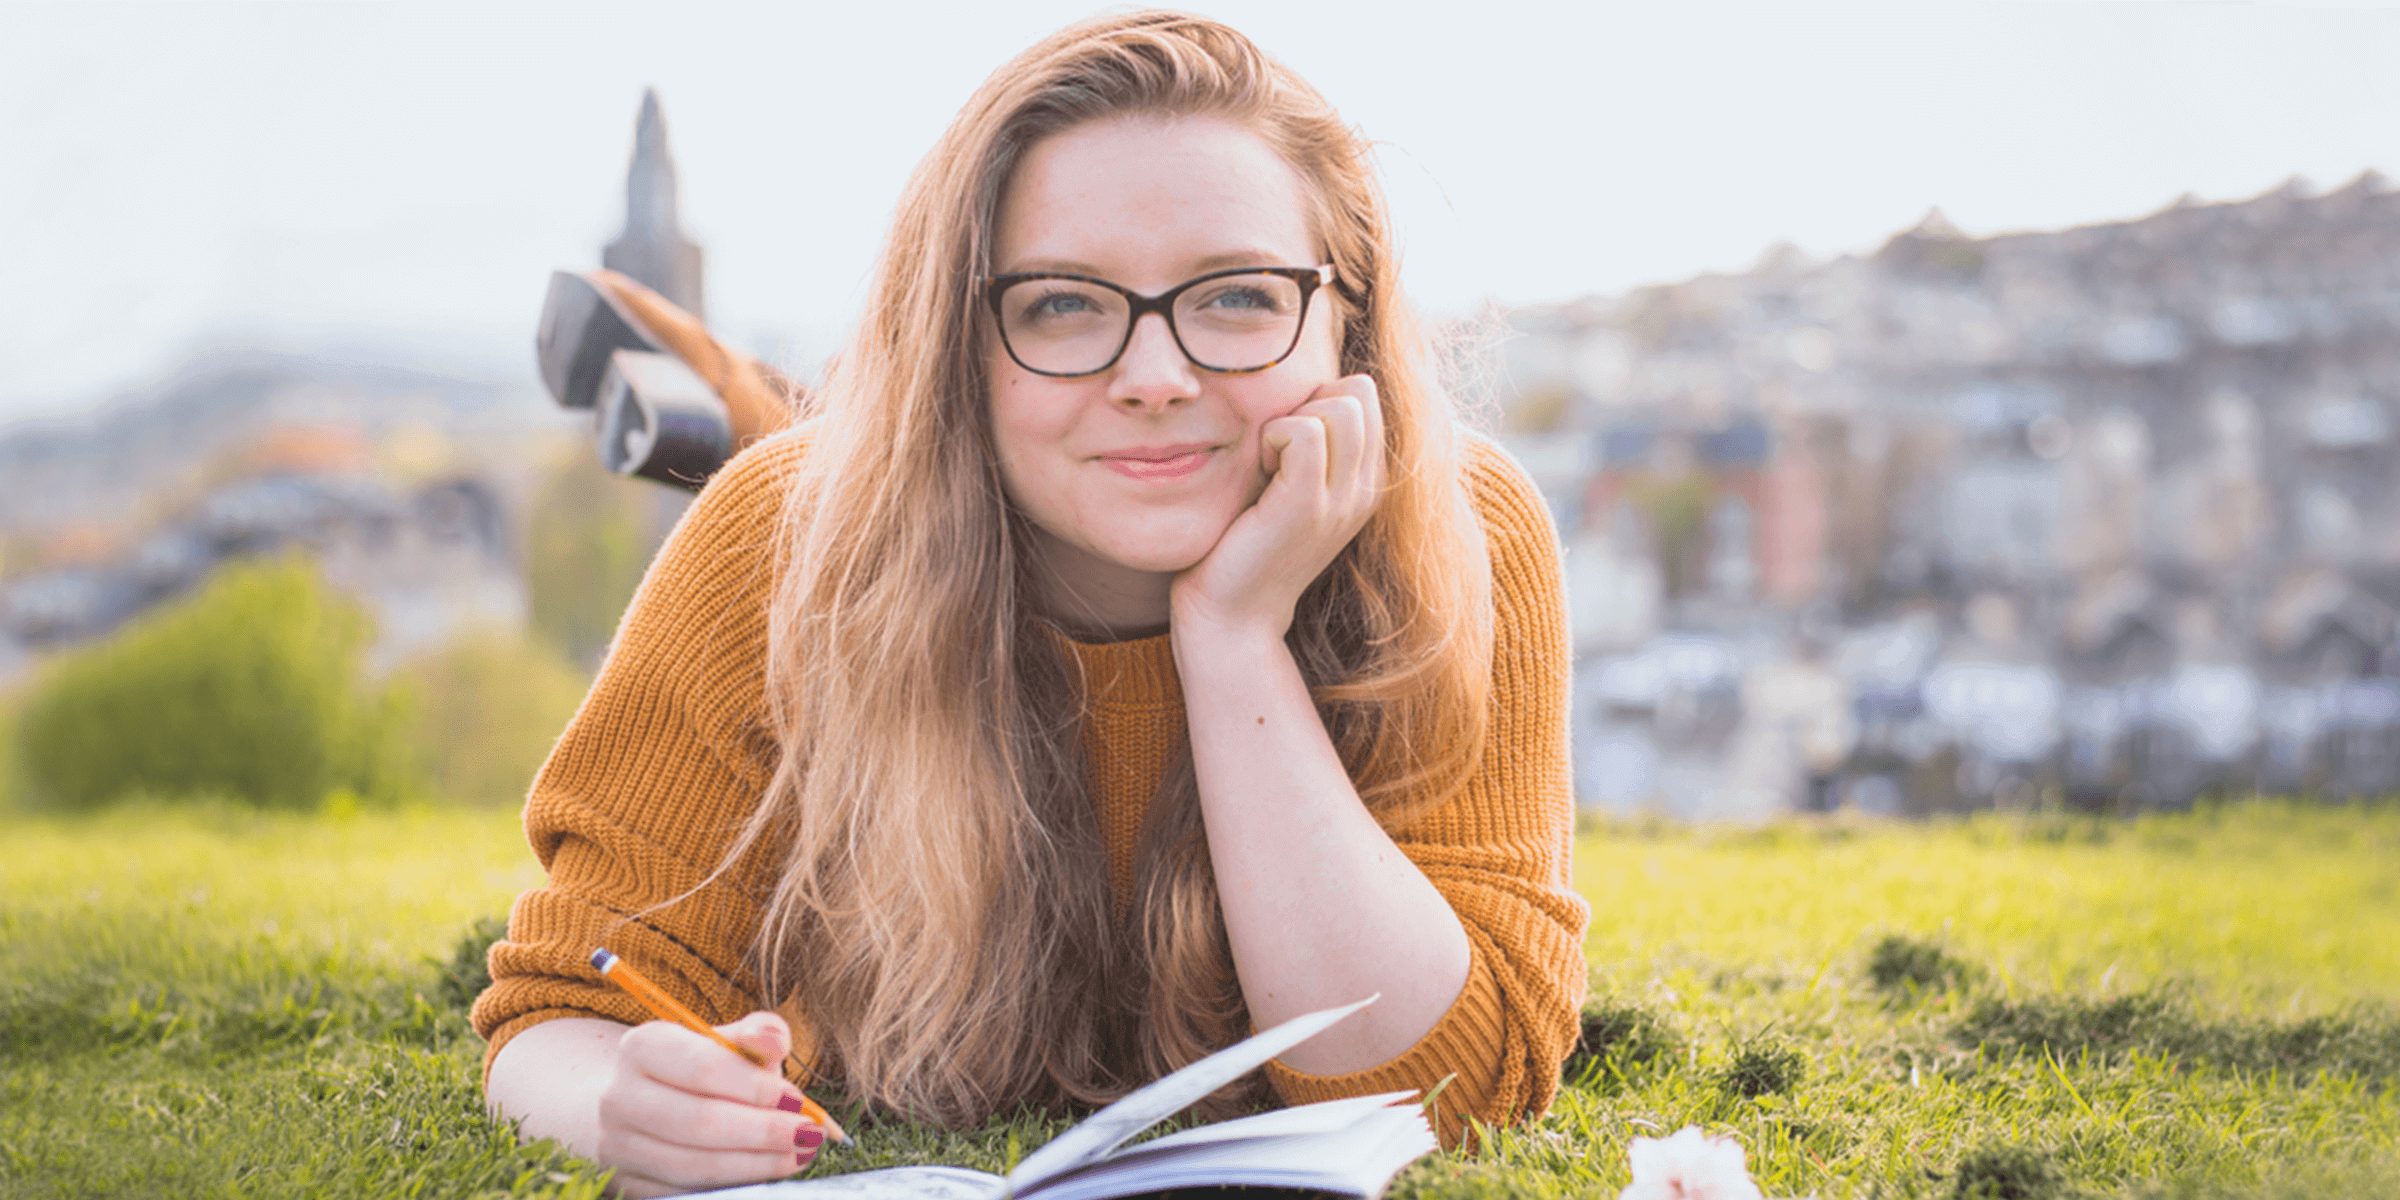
(1231, 322)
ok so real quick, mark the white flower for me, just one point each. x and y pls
(1689, 1166)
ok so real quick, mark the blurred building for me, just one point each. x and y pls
(408, 486)
(2109, 513)
(652, 248)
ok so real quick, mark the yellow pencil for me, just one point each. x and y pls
(668, 1008)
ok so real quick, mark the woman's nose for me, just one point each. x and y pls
(1153, 373)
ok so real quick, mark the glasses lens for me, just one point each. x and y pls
(1062, 326)
(1239, 322)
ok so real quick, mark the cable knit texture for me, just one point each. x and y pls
(672, 750)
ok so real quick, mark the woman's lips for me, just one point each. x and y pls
(1165, 462)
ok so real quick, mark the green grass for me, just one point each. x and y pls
(2199, 1004)
(226, 1003)
(220, 1003)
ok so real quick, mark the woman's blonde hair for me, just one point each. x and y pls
(944, 916)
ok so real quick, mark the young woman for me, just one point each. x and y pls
(1126, 652)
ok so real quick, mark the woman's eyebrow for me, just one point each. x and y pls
(1245, 257)
(1062, 266)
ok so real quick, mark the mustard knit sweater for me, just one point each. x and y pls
(672, 749)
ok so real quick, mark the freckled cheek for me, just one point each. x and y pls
(1030, 444)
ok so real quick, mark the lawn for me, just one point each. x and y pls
(215, 1003)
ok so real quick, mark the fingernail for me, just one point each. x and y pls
(802, 1159)
(808, 1137)
(789, 1103)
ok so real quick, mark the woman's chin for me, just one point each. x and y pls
(1156, 560)
(1163, 548)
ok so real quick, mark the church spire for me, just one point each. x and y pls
(653, 249)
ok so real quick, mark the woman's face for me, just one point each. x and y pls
(1131, 474)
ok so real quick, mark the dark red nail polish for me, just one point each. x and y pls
(789, 1103)
(808, 1137)
(801, 1160)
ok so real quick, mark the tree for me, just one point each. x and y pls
(251, 690)
(589, 538)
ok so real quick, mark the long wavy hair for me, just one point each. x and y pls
(943, 913)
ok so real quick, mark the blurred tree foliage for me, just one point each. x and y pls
(251, 690)
(587, 541)
(1543, 410)
(12, 783)
(483, 712)
(1677, 508)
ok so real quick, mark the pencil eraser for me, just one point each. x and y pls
(602, 960)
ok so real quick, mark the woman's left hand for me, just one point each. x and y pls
(1325, 466)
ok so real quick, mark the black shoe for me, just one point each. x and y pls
(660, 421)
(581, 326)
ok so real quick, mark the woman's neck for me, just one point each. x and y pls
(1093, 599)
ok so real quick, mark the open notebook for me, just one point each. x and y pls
(1352, 1147)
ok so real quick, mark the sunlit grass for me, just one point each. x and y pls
(216, 1002)
(178, 898)
(225, 1003)
(2274, 906)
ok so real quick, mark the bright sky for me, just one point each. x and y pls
(402, 178)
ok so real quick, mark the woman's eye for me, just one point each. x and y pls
(1240, 297)
(1058, 304)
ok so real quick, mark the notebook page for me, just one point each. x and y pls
(1356, 1161)
(1110, 1127)
(1325, 1116)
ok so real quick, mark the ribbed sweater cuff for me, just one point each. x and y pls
(1463, 1047)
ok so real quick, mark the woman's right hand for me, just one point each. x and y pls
(681, 1113)
(676, 1113)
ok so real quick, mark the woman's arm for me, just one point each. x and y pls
(628, 817)
(1320, 906)
(1497, 854)
(669, 1109)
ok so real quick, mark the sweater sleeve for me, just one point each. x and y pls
(633, 812)
(1499, 851)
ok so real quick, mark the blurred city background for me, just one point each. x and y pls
(1942, 408)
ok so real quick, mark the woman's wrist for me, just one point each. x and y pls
(1207, 643)
(548, 1079)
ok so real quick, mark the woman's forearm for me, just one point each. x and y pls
(668, 1109)
(1320, 906)
(548, 1079)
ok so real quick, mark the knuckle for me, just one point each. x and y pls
(737, 1126)
(779, 1134)
(615, 1108)
(659, 1049)
(683, 1165)
(610, 1146)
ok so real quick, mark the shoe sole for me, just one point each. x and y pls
(659, 421)
(581, 326)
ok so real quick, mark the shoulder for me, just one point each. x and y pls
(714, 574)
(753, 485)
(1516, 520)
(734, 519)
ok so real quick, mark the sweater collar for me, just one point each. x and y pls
(1140, 671)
